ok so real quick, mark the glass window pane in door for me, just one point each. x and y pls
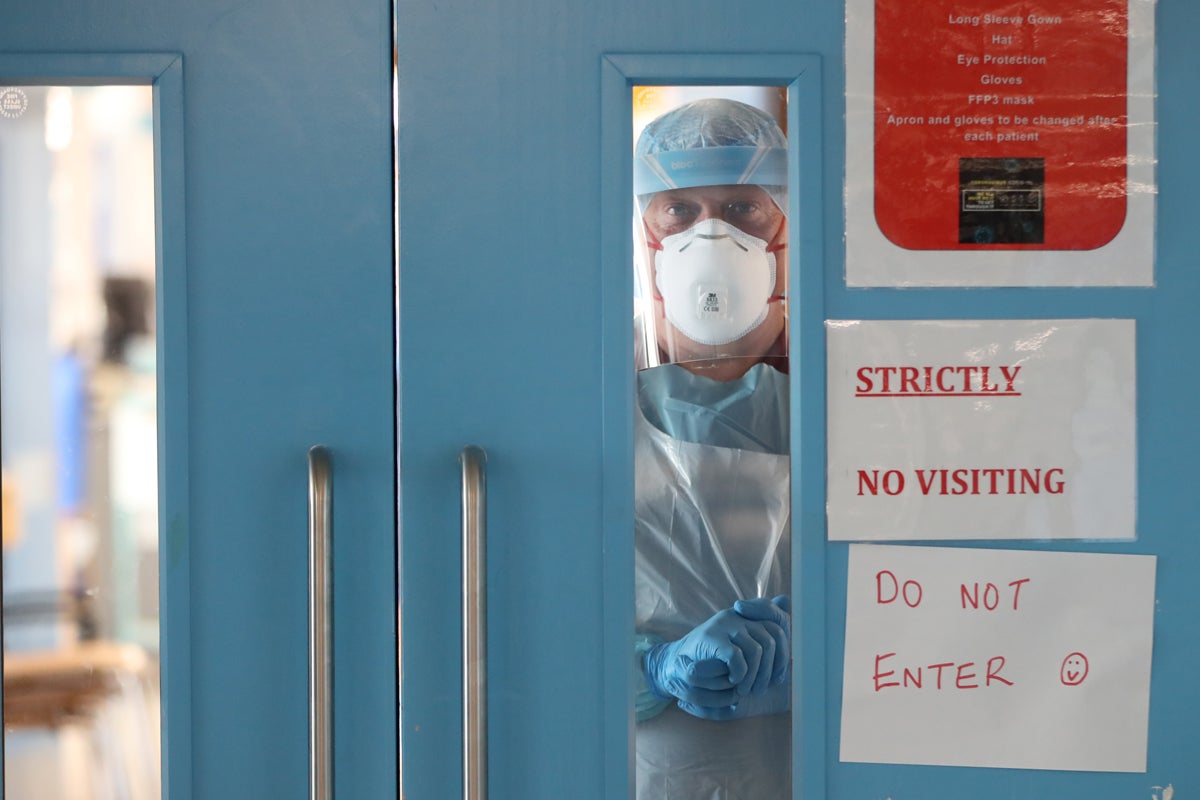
(712, 468)
(78, 442)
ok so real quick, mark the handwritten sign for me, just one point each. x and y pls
(997, 658)
(994, 145)
(997, 429)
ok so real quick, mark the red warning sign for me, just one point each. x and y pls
(1001, 125)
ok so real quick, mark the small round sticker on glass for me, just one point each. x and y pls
(13, 102)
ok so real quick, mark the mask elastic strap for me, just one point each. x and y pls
(651, 242)
(774, 248)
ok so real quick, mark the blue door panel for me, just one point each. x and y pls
(501, 136)
(500, 148)
(285, 230)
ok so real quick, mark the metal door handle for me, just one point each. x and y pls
(474, 644)
(320, 620)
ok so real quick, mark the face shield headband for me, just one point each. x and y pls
(711, 166)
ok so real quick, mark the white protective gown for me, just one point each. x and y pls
(712, 527)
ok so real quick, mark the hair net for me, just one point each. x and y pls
(712, 142)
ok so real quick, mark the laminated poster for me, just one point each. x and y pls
(997, 658)
(999, 143)
(981, 429)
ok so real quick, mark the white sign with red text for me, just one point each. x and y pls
(982, 429)
(997, 658)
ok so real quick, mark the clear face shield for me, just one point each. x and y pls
(711, 277)
(710, 243)
(712, 499)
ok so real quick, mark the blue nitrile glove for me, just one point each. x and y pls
(778, 697)
(776, 700)
(724, 658)
(777, 610)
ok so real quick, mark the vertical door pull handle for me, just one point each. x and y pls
(320, 625)
(474, 644)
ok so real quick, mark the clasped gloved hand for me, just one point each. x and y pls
(775, 700)
(740, 652)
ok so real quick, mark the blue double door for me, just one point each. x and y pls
(287, 323)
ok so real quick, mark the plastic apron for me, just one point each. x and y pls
(712, 526)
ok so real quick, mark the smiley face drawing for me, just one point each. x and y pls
(1074, 669)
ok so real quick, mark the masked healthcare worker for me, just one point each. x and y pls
(712, 507)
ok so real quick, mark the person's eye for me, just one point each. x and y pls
(742, 207)
(679, 210)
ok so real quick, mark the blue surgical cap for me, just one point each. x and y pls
(712, 142)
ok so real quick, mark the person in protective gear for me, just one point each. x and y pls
(712, 503)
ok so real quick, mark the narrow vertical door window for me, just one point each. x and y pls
(79, 443)
(712, 467)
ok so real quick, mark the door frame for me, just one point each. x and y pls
(801, 74)
(164, 73)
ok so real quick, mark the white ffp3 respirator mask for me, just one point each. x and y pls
(715, 281)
